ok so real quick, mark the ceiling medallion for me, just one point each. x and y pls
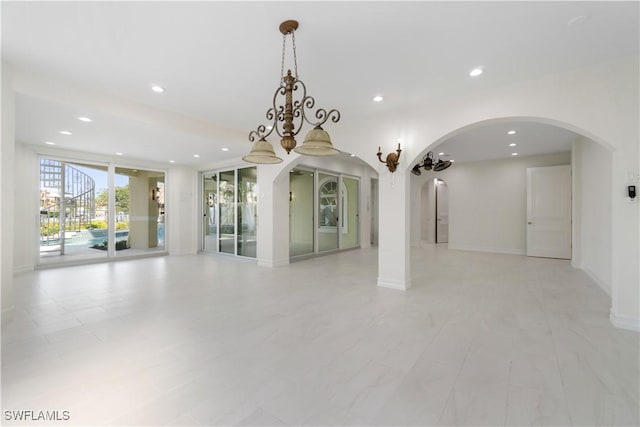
(288, 118)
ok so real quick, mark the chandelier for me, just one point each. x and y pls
(287, 119)
(428, 163)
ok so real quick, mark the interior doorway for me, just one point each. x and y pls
(442, 211)
(549, 212)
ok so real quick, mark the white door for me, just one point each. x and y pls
(549, 212)
(442, 212)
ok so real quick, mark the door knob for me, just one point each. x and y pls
(530, 222)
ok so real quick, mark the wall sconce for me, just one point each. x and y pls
(392, 159)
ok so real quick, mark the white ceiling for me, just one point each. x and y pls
(220, 63)
(493, 142)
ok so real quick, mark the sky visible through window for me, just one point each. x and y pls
(101, 178)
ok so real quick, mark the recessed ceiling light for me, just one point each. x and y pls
(378, 98)
(514, 154)
(196, 155)
(512, 132)
(119, 154)
(513, 144)
(440, 154)
(224, 149)
(50, 143)
(65, 132)
(172, 161)
(85, 119)
(353, 155)
(476, 72)
(157, 89)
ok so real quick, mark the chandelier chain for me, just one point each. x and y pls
(295, 55)
(284, 45)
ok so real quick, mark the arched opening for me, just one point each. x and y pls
(489, 208)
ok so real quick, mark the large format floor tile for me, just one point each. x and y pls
(480, 339)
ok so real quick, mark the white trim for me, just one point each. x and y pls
(401, 285)
(623, 322)
(509, 251)
(273, 263)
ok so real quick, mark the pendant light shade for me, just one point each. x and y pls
(262, 153)
(292, 107)
(317, 143)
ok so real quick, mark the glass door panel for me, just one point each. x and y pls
(349, 219)
(301, 212)
(227, 214)
(73, 210)
(139, 211)
(328, 195)
(210, 216)
(247, 211)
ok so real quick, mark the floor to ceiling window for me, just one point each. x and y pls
(323, 212)
(139, 211)
(230, 201)
(83, 217)
(301, 206)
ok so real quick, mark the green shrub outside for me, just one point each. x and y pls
(47, 230)
(98, 223)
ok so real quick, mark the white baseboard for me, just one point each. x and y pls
(394, 284)
(23, 269)
(271, 263)
(599, 282)
(623, 322)
(508, 251)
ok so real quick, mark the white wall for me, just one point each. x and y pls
(26, 209)
(592, 245)
(7, 190)
(182, 212)
(600, 102)
(487, 202)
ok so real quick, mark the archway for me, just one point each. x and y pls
(488, 211)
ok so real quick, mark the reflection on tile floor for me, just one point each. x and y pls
(480, 339)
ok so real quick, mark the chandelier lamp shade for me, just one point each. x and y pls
(289, 113)
(429, 164)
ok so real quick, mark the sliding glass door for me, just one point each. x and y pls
(97, 210)
(247, 211)
(349, 218)
(230, 209)
(323, 212)
(227, 214)
(301, 208)
(328, 216)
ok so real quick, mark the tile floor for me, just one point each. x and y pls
(480, 339)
